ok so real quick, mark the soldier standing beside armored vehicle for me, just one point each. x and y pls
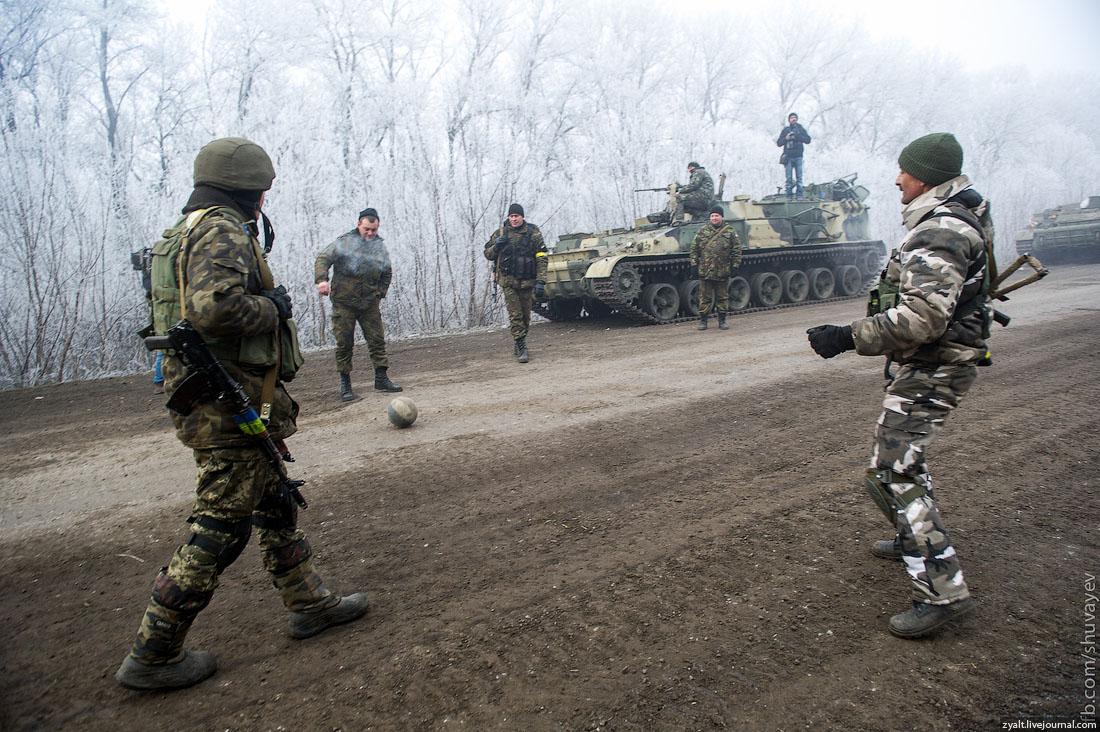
(227, 295)
(791, 139)
(715, 253)
(361, 278)
(519, 254)
(935, 330)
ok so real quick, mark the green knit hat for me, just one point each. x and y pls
(933, 159)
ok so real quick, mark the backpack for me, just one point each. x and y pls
(164, 272)
(282, 350)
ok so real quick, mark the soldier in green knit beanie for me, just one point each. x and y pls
(933, 328)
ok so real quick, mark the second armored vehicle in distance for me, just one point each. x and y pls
(1064, 234)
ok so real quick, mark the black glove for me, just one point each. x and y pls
(830, 340)
(502, 241)
(540, 290)
(281, 298)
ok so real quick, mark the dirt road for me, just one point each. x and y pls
(645, 528)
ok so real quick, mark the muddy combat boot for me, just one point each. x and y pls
(521, 350)
(157, 659)
(923, 619)
(887, 548)
(722, 322)
(702, 321)
(382, 382)
(345, 388)
(312, 606)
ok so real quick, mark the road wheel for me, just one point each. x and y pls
(796, 285)
(661, 300)
(739, 293)
(848, 279)
(767, 289)
(689, 297)
(821, 283)
(870, 262)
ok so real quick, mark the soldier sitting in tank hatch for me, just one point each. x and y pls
(695, 198)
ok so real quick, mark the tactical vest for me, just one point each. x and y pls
(884, 295)
(518, 260)
(263, 350)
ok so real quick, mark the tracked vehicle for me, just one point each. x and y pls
(1064, 234)
(813, 249)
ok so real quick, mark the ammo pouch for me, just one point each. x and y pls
(882, 297)
(517, 261)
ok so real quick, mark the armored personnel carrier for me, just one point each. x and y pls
(1064, 234)
(812, 249)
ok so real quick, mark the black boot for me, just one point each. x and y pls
(921, 620)
(345, 388)
(382, 382)
(521, 350)
(702, 321)
(722, 321)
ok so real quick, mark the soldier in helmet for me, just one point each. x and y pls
(519, 256)
(935, 328)
(715, 253)
(361, 278)
(227, 294)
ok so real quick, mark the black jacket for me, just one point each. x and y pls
(793, 146)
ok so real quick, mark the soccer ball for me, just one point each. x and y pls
(402, 412)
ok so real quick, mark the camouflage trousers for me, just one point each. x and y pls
(518, 300)
(369, 318)
(230, 485)
(913, 410)
(713, 294)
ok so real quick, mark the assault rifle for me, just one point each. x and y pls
(206, 375)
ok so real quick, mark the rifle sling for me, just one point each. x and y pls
(267, 394)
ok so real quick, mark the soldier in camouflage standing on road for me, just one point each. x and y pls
(519, 252)
(227, 295)
(361, 278)
(935, 329)
(715, 253)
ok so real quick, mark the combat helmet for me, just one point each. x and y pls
(234, 164)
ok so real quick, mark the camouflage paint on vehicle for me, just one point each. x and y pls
(793, 252)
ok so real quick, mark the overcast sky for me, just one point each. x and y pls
(1044, 35)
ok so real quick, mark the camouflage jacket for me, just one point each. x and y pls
(716, 251)
(939, 265)
(526, 243)
(221, 269)
(361, 269)
(699, 191)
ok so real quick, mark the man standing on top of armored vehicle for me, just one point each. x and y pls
(935, 330)
(791, 139)
(361, 278)
(697, 196)
(228, 297)
(715, 253)
(519, 252)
